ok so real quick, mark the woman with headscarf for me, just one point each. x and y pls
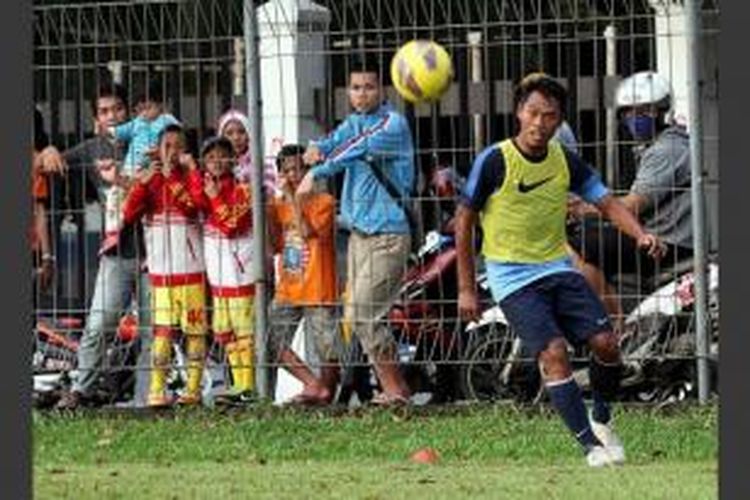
(235, 126)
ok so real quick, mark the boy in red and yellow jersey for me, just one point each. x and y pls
(302, 232)
(174, 256)
(228, 243)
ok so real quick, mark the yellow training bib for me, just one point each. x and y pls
(524, 220)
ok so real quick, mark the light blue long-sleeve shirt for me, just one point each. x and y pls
(382, 136)
(141, 134)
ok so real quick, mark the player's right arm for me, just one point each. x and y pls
(487, 174)
(468, 300)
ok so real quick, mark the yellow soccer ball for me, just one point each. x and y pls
(421, 71)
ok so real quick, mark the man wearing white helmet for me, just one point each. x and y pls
(659, 195)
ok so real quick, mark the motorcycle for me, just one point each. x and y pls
(424, 318)
(55, 361)
(657, 345)
(424, 324)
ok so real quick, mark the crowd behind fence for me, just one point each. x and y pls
(197, 51)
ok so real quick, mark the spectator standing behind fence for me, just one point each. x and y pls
(373, 147)
(302, 233)
(660, 193)
(141, 135)
(518, 189)
(235, 126)
(564, 134)
(228, 249)
(174, 256)
(41, 247)
(47, 165)
(120, 278)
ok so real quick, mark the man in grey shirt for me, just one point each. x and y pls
(92, 168)
(662, 187)
(659, 195)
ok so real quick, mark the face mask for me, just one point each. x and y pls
(641, 127)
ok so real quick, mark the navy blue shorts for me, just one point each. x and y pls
(558, 305)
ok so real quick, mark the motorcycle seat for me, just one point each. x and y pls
(634, 281)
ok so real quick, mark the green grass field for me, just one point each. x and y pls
(486, 452)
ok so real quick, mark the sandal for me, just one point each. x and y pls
(235, 397)
(389, 400)
(69, 401)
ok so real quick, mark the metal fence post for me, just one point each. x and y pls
(611, 168)
(255, 113)
(698, 200)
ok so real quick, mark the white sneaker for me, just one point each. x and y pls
(609, 439)
(599, 456)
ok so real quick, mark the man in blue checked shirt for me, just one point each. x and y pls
(373, 148)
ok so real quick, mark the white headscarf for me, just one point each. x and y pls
(230, 115)
(244, 161)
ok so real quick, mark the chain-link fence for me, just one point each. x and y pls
(200, 56)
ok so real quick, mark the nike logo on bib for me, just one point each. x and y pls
(525, 188)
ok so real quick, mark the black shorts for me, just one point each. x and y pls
(558, 305)
(601, 244)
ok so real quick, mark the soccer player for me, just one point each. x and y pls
(174, 256)
(228, 247)
(518, 191)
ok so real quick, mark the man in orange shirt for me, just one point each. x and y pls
(302, 233)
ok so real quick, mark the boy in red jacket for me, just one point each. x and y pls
(228, 243)
(174, 256)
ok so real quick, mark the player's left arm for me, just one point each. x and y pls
(585, 182)
(635, 202)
